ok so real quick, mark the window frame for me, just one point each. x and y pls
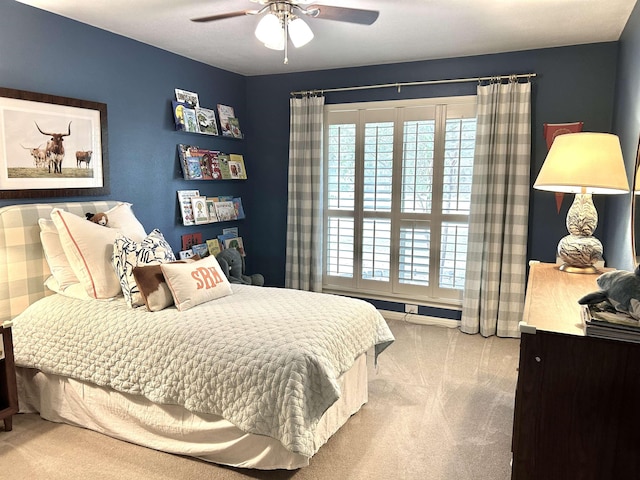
(401, 111)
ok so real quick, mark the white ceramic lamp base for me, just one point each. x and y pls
(579, 253)
(580, 250)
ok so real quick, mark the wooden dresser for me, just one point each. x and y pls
(577, 407)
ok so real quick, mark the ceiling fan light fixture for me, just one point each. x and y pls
(269, 31)
(277, 44)
(299, 32)
(281, 22)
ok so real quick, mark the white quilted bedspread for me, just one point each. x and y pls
(266, 359)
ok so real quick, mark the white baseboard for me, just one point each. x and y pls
(420, 319)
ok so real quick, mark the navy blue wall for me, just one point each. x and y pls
(45, 53)
(573, 83)
(627, 125)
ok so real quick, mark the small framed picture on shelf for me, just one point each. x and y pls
(200, 212)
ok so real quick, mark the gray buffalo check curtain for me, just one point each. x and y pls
(303, 269)
(497, 246)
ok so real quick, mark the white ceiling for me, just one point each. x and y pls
(406, 30)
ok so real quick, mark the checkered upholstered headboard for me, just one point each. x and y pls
(23, 268)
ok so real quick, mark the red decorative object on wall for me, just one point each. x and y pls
(551, 131)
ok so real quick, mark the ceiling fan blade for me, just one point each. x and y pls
(222, 16)
(343, 14)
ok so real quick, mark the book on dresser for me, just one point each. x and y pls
(606, 323)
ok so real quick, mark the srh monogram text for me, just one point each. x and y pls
(206, 277)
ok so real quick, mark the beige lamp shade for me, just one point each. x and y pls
(585, 162)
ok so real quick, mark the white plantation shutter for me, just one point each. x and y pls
(340, 187)
(414, 257)
(340, 235)
(398, 182)
(376, 249)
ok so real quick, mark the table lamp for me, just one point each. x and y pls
(583, 163)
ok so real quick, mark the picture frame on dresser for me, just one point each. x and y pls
(52, 146)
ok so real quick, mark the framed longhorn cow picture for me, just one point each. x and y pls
(51, 146)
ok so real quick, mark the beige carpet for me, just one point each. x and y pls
(440, 407)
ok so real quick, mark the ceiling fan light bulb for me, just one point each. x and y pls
(269, 30)
(277, 45)
(299, 32)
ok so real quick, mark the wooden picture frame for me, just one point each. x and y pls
(33, 128)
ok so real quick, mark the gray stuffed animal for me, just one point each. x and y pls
(620, 289)
(232, 264)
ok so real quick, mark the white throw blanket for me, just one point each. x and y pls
(266, 359)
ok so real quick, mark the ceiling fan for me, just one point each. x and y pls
(283, 21)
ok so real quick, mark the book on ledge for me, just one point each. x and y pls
(605, 323)
(204, 164)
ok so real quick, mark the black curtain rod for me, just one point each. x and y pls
(410, 84)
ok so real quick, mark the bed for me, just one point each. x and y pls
(259, 377)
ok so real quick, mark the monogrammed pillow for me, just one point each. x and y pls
(153, 287)
(194, 283)
(127, 254)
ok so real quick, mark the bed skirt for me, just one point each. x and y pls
(173, 429)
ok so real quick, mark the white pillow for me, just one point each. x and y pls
(55, 256)
(127, 254)
(122, 218)
(75, 290)
(88, 247)
(194, 283)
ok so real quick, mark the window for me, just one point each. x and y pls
(398, 191)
